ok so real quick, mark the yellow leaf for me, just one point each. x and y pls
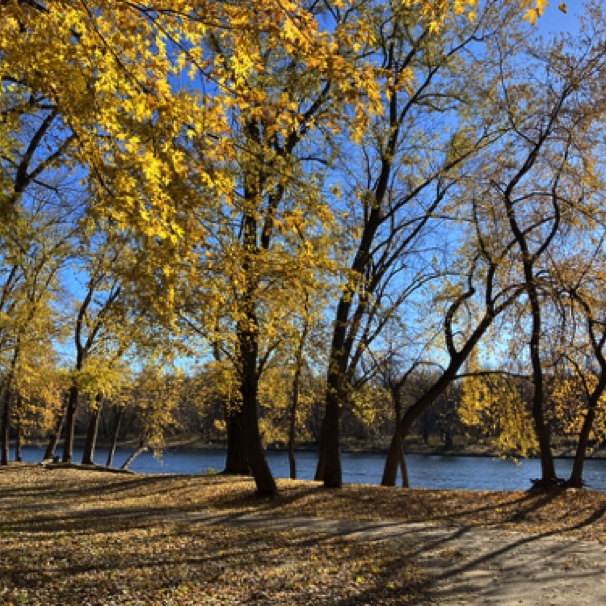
(531, 16)
(541, 5)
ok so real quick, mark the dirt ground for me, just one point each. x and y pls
(469, 565)
(88, 538)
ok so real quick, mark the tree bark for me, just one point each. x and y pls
(548, 473)
(141, 448)
(88, 454)
(248, 341)
(5, 420)
(395, 455)
(115, 434)
(53, 440)
(236, 461)
(5, 423)
(329, 468)
(576, 475)
(19, 443)
(329, 457)
(248, 348)
(70, 424)
(294, 402)
(390, 469)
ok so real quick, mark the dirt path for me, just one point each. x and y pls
(470, 565)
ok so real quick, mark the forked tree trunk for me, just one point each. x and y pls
(395, 459)
(70, 424)
(395, 455)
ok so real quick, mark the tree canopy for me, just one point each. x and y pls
(288, 211)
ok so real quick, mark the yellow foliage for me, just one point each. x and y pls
(494, 405)
(569, 399)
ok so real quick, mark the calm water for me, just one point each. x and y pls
(425, 471)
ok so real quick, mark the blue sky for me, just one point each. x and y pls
(554, 20)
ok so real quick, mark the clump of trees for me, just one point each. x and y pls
(332, 217)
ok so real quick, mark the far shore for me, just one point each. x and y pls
(414, 445)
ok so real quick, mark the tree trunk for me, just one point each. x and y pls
(236, 461)
(403, 466)
(576, 475)
(5, 422)
(447, 438)
(329, 457)
(292, 427)
(19, 443)
(321, 445)
(548, 473)
(88, 455)
(70, 424)
(329, 463)
(51, 447)
(7, 395)
(141, 448)
(395, 455)
(396, 451)
(390, 469)
(292, 460)
(294, 402)
(114, 442)
(248, 350)
(264, 480)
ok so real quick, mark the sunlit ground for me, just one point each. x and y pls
(79, 537)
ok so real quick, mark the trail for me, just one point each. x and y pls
(470, 565)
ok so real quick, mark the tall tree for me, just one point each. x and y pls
(404, 181)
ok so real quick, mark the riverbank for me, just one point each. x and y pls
(82, 537)
(413, 445)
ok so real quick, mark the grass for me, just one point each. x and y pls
(74, 537)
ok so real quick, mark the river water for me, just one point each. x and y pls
(425, 471)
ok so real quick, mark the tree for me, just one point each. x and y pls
(494, 402)
(35, 249)
(405, 182)
(155, 394)
(193, 124)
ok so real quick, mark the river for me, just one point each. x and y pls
(425, 471)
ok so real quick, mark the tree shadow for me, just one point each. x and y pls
(116, 505)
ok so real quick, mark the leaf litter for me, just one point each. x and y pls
(75, 537)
